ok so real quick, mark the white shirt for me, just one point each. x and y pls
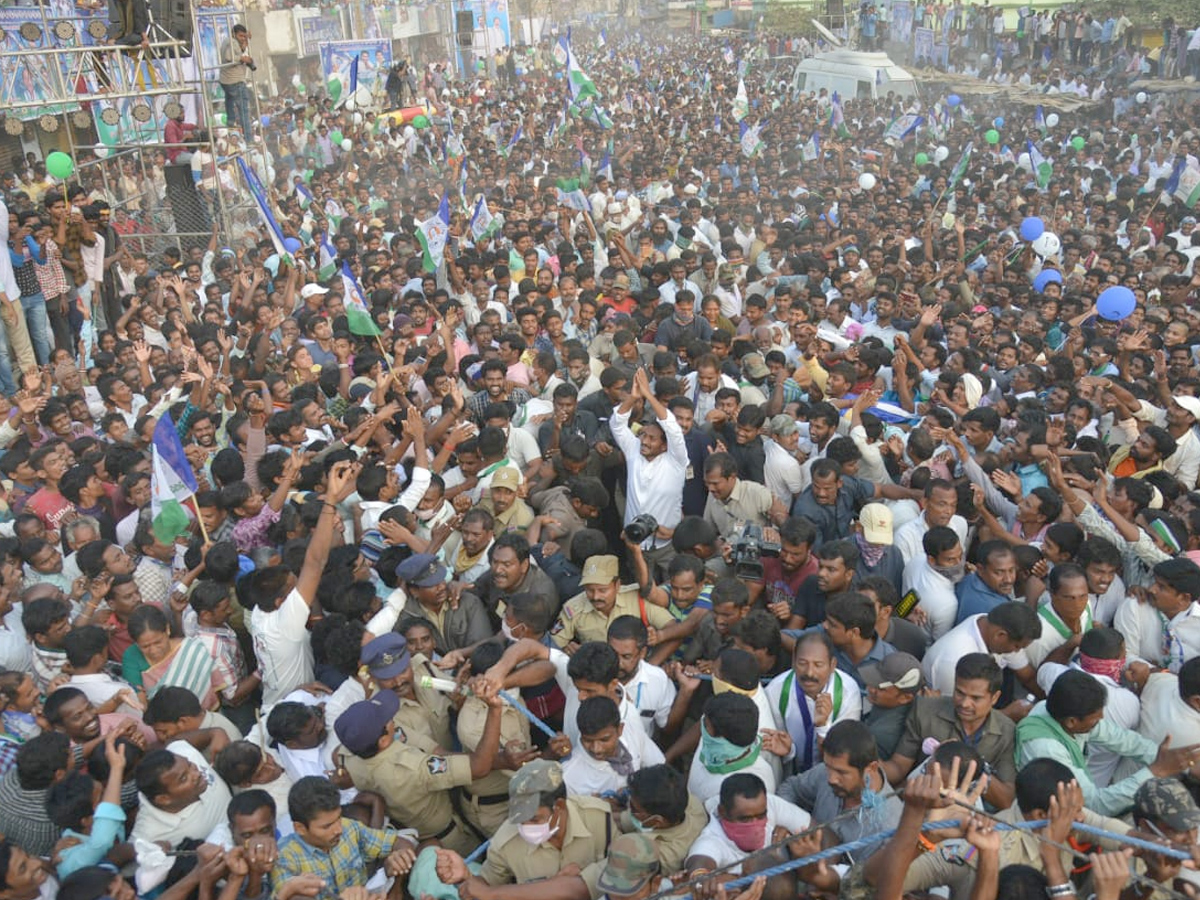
(584, 774)
(653, 486)
(8, 280)
(194, 821)
(935, 593)
(908, 538)
(652, 694)
(1052, 637)
(1141, 626)
(1184, 463)
(705, 785)
(282, 647)
(100, 687)
(1163, 712)
(1161, 642)
(943, 656)
(1122, 707)
(522, 448)
(716, 845)
(705, 403)
(781, 472)
(786, 712)
(15, 655)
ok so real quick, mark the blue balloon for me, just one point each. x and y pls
(1045, 277)
(1116, 303)
(292, 245)
(998, 121)
(266, 121)
(954, 99)
(1032, 228)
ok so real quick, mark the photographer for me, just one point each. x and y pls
(236, 66)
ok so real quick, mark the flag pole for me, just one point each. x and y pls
(200, 519)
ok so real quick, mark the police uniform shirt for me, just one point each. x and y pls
(435, 702)
(417, 724)
(486, 798)
(589, 831)
(579, 620)
(672, 844)
(415, 786)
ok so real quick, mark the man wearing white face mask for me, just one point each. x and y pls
(932, 577)
(545, 832)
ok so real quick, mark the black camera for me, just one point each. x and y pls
(641, 527)
(749, 547)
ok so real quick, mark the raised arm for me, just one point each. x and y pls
(342, 478)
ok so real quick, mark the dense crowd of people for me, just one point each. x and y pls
(723, 476)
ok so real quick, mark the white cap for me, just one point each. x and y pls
(312, 290)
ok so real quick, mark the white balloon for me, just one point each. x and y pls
(362, 98)
(101, 152)
(866, 181)
(347, 144)
(1141, 97)
(350, 104)
(296, 79)
(358, 119)
(1047, 245)
(1024, 162)
(1052, 120)
(941, 154)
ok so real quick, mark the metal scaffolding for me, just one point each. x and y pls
(107, 106)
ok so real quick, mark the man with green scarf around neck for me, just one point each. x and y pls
(729, 743)
(1071, 719)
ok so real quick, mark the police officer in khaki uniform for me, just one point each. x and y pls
(665, 814)
(545, 832)
(586, 616)
(415, 785)
(485, 800)
(424, 715)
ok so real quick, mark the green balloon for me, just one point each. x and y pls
(1078, 142)
(420, 122)
(336, 137)
(222, 119)
(335, 88)
(992, 136)
(921, 159)
(60, 165)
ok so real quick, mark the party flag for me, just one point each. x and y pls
(741, 102)
(1042, 167)
(264, 211)
(171, 482)
(358, 317)
(483, 223)
(581, 86)
(432, 234)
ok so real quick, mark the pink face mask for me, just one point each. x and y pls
(746, 836)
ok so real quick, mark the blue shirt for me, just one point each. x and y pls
(833, 522)
(108, 828)
(976, 598)
(1031, 477)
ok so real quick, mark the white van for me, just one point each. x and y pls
(853, 74)
(856, 74)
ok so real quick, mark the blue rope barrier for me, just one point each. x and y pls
(478, 852)
(1132, 841)
(852, 846)
(524, 710)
